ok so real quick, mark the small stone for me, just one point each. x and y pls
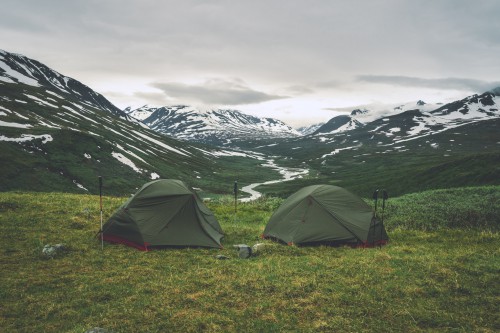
(52, 250)
(221, 257)
(244, 251)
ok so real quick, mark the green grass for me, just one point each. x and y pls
(433, 276)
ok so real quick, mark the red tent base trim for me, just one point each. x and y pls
(119, 240)
(147, 246)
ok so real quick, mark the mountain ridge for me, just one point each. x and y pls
(210, 126)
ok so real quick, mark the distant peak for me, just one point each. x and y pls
(421, 102)
(495, 91)
(358, 112)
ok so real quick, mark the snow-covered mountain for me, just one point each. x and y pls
(213, 126)
(416, 123)
(16, 68)
(406, 124)
(416, 117)
(373, 112)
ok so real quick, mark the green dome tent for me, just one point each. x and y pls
(163, 212)
(325, 214)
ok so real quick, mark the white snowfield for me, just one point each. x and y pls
(128, 162)
(16, 125)
(11, 73)
(28, 137)
(338, 150)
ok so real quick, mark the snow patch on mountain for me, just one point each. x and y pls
(28, 137)
(10, 75)
(11, 124)
(372, 112)
(125, 160)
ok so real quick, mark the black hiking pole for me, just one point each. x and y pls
(235, 191)
(100, 201)
(374, 219)
(375, 200)
(385, 197)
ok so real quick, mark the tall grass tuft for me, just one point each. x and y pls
(462, 208)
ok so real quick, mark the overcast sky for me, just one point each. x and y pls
(297, 61)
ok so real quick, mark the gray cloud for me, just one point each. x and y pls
(443, 84)
(215, 91)
(153, 98)
(299, 89)
(349, 109)
(309, 50)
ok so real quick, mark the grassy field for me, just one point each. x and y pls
(439, 273)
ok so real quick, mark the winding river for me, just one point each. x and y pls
(287, 173)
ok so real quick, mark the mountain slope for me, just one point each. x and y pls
(56, 134)
(217, 126)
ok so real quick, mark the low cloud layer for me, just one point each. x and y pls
(215, 91)
(442, 84)
(293, 58)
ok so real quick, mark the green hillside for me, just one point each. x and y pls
(466, 156)
(66, 144)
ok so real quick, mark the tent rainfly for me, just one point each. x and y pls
(163, 212)
(325, 214)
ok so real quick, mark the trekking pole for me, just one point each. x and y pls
(375, 200)
(374, 219)
(385, 197)
(100, 201)
(235, 190)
